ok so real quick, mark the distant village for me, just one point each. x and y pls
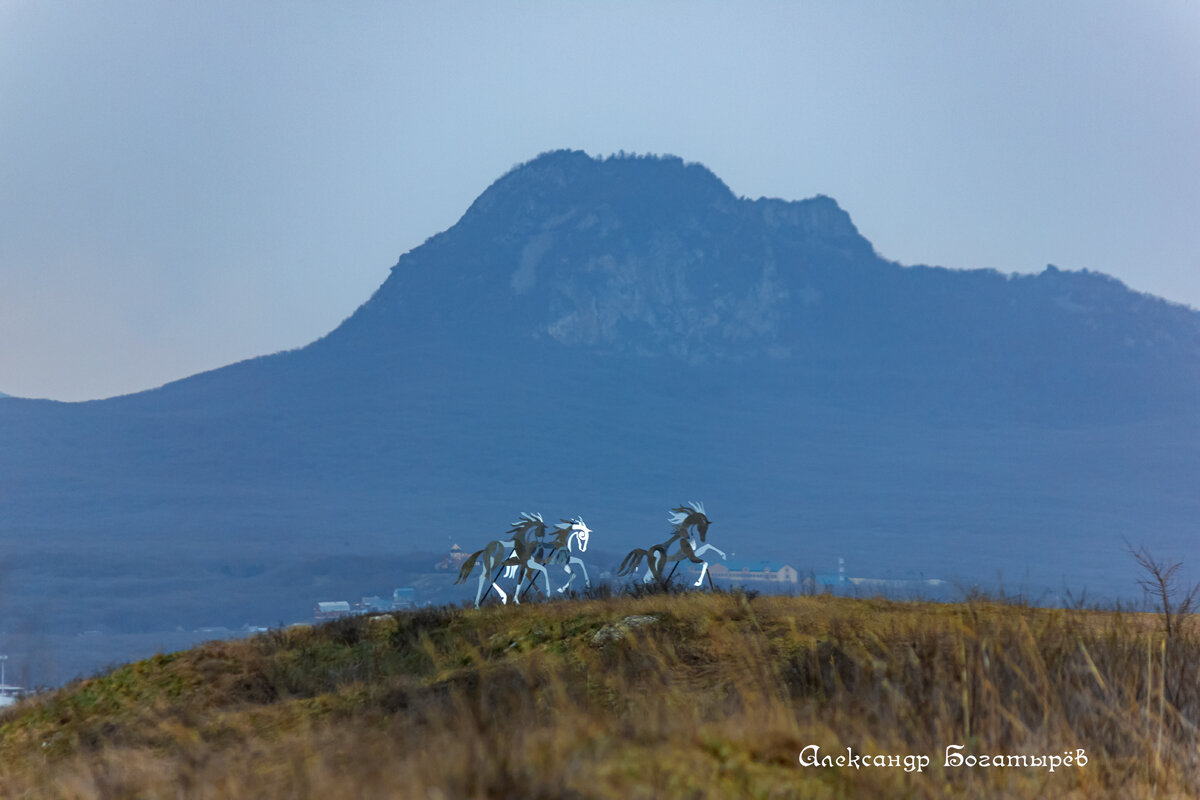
(402, 598)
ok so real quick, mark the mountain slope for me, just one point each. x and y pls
(609, 338)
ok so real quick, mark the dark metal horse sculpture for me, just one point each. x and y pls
(558, 550)
(691, 529)
(526, 537)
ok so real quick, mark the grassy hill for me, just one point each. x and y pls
(658, 695)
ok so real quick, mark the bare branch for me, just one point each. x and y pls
(1160, 582)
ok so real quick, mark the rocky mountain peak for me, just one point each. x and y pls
(653, 256)
(538, 193)
(637, 254)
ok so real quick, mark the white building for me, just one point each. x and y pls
(751, 572)
(333, 609)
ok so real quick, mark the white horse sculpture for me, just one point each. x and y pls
(562, 554)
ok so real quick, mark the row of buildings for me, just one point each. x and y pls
(772, 572)
(401, 599)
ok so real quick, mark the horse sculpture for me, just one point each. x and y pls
(526, 535)
(561, 549)
(557, 550)
(691, 528)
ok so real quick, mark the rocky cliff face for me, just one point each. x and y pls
(629, 255)
(654, 257)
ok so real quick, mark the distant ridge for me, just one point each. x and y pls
(607, 338)
(657, 257)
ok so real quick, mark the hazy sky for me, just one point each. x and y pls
(187, 184)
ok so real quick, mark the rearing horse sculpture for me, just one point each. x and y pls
(691, 528)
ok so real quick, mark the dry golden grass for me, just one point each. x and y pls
(715, 697)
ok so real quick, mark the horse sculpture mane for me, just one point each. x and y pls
(529, 523)
(690, 515)
(567, 528)
(680, 515)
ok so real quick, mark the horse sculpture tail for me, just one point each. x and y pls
(468, 565)
(632, 561)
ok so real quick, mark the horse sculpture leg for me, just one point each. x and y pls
(491, 557)
(562, 589)
(485, 573)
(483, 579)
(586, 580)
(533, 565)
(704, 570)
(657, 559)
(520, 589)
(527, 584)
(651, 567)
(507, 572)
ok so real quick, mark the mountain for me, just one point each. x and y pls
(610, 338)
